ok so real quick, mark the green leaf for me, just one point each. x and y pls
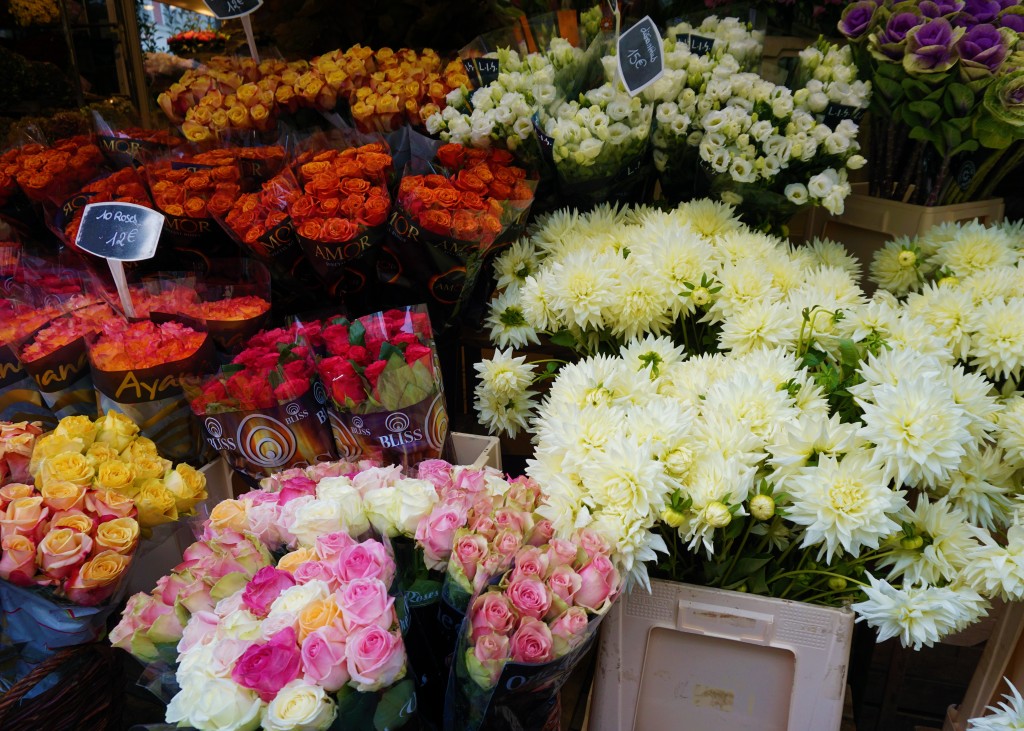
(397, 705)
(355, 709)
(992, 133)
(927, 135)
(889, 89)
(748, 565)
(401, 385)
(357, 333)
(959, 100)
(930, 111)
(965, 146)
(387, 350)
(849, 355)
(564, 338)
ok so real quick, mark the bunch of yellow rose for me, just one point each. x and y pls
(34, 12)
(250, 107)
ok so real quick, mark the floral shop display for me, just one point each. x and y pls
(197, 41)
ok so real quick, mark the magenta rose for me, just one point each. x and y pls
(323, 658)
(375, 658)
(367, 560)
(330, 545)
(364, 602)
(298, 486)
(269, 667)
(564, 583)
(529, 596)
(600, 581)
(492, 612)
(264, 588)
(469, 481)
(532, 642)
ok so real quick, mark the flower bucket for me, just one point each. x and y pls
(751, 662)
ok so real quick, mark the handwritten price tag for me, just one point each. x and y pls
(640, 56)
(120, 231)
(225, 9)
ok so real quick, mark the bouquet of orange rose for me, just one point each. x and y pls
(123, 186)
(131, 146)
(137, 369)
(340, 215)
(453, 213)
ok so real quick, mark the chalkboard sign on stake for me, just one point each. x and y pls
(120, 232)
(227, 9)
(640, 58)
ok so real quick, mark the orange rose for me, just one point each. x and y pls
(220, 203)
(302, 207)
(337, 230)
(447, 197)
(328, 206)
(225, 174)
(499, 191)
(375, 211)
(196, 208)
(310, 229)
(451, 155)
(439, 222)
(465, 226)
(311, 169)
(355, 186)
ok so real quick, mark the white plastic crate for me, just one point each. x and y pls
(700, 659)
(476, 450)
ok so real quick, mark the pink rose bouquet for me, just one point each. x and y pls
(524, 634)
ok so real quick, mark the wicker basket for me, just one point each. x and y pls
(89, 697)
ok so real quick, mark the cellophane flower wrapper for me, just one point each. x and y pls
(64, 216)
(136, 370)
(385, 387)
(16, 209)
(521, 612)
(266, 411)
(456, 208)
(17, 440)
(341, 212)
(130, 146)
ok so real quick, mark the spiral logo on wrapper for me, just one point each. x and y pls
(213, 427)
(265, 441)
(292, 409)
(319, 393)
(437, 423)
(397, 422)
(357, 422)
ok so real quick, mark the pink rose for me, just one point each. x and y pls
(492, 612)
(330, 545)
(269, 667)
(24, 517)
(264, 520)
(529, 596)
(542, 533)
(488, 658)
(376, 478)
(568, 630)
(564, 583)
(12, 491)
(483, 524)
(530, 562)
(470, 550)
(437, 472)
(72, 497)
(365, 602)
(562, 552)
(62, 551)
(532, 642)
(315, 571)
(264, 588)
(366, 560)
(201, 627)
(593, 543)
(294, 487)
(514, 520)
(600, 580)
(469, 480)
(375, 658)
(323, 658)
(508, 542)
(18, 564)
(493, 565)
(436, 533)
(523, 493)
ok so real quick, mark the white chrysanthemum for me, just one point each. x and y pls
(742, 284)
(824, 315)
(830, 253)
(563, 498)
(947, 541)
(583, 287)
(549, 229)
(652, 354)
(913, 333)
(761, 324)
(574, 434)
(642, 304)
(989, 284)
(775, 366)
(762, 408)
(1011, 430)
(844, 506)
(633, 544)
(714, 479)
(892, 367)
(872, 322)
(997, 343)
(624, 478)
(835, 285)
(786, 271)
(499, 414)
(949, 311)
(681, 257)
(976, 396)
(535, 300)
(515, 264)
(919, 616)
(509, 326)
(687, 382)
(918, 430)
(505, 375)
(723, 433)
(998, 571)
(973, 248)
(1006, 715)
(600, 380)
(982, 487)
(711, 219)
(808, 436)
(667, 428)
(745, 244)
(896, 266)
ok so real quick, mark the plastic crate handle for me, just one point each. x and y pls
(717, 621)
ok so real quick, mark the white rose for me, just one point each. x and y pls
(274, 623)
(296, 598)
(240, 624)
(416, 498)
(317, 518)
(376, 477)
(300, 706)
(216, 705)
(381, 509)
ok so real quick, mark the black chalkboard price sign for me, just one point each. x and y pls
(119, 231)
(225, 9)
(640, 56)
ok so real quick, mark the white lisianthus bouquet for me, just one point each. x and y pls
(724, 36)
(771, 429)
(826, 74)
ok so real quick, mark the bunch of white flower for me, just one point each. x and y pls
(827, 73)
(725, 36)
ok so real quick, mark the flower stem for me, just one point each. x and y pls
(737, 552)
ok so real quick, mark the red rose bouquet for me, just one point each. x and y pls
(266, 410)
(137, 369)
(197, 41)
(339, 217)
(385, 388)
(449, 223)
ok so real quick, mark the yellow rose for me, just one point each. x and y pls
(291, 561)
(195, 132)
(318, 613)
(97, 579)
(188, 485)
(61, 495)
(120, 535)
(259, 114)
(77, 427)
(140, 447)
(50, 446)
(200, 115)
(230, 515)
(155, 504)
(116, 475)
(116, 429)
(99, 453)
(246, 94)
(75, 521)
(219, 119)
(150, 468)
(67, 466)
(238, 116)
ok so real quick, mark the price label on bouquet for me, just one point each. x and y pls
(640, 56)
(225, 9)
(700, 45)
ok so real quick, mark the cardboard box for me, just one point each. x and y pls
(476, 450)
(703, 659)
